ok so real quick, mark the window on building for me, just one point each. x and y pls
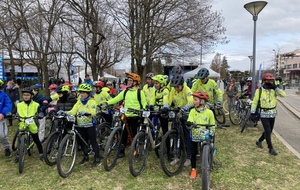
(294, 66)
(288, 66)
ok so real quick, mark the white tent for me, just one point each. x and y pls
(81, 74)
(191, 74)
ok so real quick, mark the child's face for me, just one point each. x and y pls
(198, 102)
(26, 96)
(83, 95)
(157, 85)
(178, 88)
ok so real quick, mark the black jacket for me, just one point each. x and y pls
(67, 105)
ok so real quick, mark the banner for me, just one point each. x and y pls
(1, 68)
(259, 76)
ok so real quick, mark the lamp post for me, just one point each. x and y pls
(251, 58)
(254, 8)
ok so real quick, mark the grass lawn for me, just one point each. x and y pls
(241, 165)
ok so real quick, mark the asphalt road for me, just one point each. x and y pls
(287, 124)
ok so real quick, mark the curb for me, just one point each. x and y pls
(287, 144)
(290, 108)
(297, 114)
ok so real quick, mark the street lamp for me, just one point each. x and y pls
(254, 8)
(251, 58)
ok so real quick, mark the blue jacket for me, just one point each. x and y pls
(39, 98)
(5, 104)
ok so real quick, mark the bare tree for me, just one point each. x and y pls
(10, 31)
(101, 42)
(158, 27)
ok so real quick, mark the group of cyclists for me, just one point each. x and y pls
(158, 93)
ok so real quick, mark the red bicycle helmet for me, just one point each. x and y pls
(52, 87)
(201, 95)
(99, 84)
(268, 76)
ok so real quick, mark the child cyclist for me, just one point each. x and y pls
(161, 99)
(200, 114)
(133, 98)
(181, 97)
(86, 106)
(29, 108)
(102, 95)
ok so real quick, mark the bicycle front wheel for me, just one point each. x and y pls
(22, 152)
(51, 147)
(235, 114)
(245, 118)
(219, 115)
(138, 154)
(172, 153)
(14, 145)
(66, 157)
(102, 131)
(112, 149)
(206, 166)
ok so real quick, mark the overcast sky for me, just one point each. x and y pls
(277, 28)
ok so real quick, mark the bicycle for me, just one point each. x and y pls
(218, 113)
(104, 129)
(236, 111)
(60, 121)
(146, 138)
(172, 147)
(245, 115)
(25, 141)
(114, 142)
(207, 150)
(68, 148)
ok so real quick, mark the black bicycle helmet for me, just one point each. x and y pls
(202, 73)
(176, 70)
(27, 90)
(177, 80)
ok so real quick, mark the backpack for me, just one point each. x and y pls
(138, 96)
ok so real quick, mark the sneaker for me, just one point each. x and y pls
(84, 160)
(273, 152)
(96, 162)
(258, 144)
(193, 174)
(174, 162)
(121, 153)
(187, 162)
(7, 153)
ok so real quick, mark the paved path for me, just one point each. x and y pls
(287, 125)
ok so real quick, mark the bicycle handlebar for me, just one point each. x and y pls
(190, 125)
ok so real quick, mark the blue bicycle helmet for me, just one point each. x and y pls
(202, 73)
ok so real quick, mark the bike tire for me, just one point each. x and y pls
(51, 147)
(66, 157)
(206, 166)
(22, 152)
(219, 115)
(246, 115)
(14, 144)
(49, 128)
(112, 149)
(169, 152)
(103, 131)
(235, 114)
(29, 146)
(158, 140)
(138, 154)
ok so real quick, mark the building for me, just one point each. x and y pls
(288, 67)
